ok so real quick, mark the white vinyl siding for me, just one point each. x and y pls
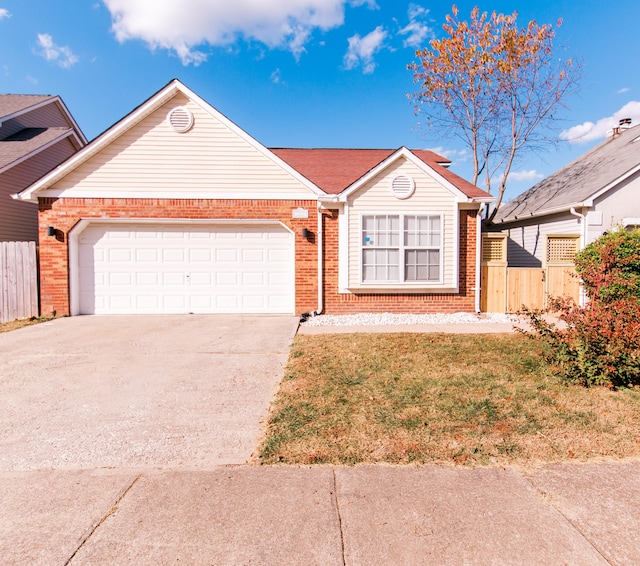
(152, 160)
(430, 199)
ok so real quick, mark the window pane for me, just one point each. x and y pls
(422, 265)
(434, 265)
(380, 265)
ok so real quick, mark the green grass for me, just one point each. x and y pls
(465, 399)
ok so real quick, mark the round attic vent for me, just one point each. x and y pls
(180, 119)
(402, 186)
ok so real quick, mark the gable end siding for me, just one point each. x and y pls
(209, 161)
(429, 198)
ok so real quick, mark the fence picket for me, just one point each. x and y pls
(18, 281)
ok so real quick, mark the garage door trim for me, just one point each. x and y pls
(83, 224)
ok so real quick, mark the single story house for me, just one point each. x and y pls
(597, 192)
(37, 133)
(175, 209)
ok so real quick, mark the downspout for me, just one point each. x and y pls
(583, 243)
(583, 228)
(320, 264)
(478, 257)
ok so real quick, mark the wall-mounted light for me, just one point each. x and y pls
(307, 234)
(51, 231)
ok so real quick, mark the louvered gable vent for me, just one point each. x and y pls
(402, 186)
(180, 119)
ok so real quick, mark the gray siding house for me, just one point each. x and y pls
(37, 133)
(595, 193)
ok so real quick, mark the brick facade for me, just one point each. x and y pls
(351, 303)
(64, 213)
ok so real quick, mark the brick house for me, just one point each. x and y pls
(175, 209)
(37, 133)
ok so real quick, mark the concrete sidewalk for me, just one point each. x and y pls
(559, 514)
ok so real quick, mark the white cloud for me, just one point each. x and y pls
(60, 55)
(458, 155)
(623, 90)
(590, 131)
(416, 30)
(276, 77)
(531, 175)
(362, 49)
(4, 14)
(183, 25)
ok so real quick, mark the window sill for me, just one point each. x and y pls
(398, 288)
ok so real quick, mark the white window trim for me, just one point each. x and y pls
(402, 284)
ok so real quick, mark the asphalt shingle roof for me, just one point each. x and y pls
(579, 180)
(333, 170)
(12, 103)
(26, 141)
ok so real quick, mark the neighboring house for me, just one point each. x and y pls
(175, 209)
(37, 133)
(597, 192)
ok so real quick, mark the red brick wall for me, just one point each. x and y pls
(64, 213)
(463, 301)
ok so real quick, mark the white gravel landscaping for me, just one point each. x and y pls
(380, 319)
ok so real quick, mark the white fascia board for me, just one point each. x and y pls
(611, 185)
(407, 154)
(538, 214)
(176, 194)
(82, 140)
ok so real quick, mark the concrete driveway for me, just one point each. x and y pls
(185, 392)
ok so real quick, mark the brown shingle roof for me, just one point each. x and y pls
(12, 103)
(333, 170)
(26, 141)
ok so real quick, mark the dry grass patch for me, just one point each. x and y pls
(465, 399)
(15, 324)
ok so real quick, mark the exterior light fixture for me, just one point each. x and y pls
(51, 231)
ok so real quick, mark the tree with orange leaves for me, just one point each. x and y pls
(495, 86)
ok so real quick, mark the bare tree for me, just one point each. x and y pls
(495, 86)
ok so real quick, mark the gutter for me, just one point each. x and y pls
(564, 208)
(583, 243)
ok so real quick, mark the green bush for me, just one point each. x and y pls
(598, 344)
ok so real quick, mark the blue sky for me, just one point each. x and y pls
(301, 73)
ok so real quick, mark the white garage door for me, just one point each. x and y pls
(146, 269)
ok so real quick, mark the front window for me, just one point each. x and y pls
(401, 248)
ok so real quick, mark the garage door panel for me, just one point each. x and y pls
(181, 268)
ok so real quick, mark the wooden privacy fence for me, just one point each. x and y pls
(507, 289)
(18, 280)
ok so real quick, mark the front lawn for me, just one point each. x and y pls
(445, 398)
